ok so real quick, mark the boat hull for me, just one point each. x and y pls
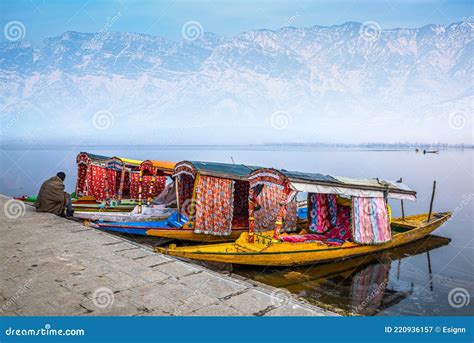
(264, 252)
(189, 235)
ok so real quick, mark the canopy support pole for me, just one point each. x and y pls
(122, 181)
(176, 186)
(251, 215)
(140, 188)
(401, 202)
(432, 199)
(281, 212)
(150, 190)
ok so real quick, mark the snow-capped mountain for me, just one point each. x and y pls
(320, 84)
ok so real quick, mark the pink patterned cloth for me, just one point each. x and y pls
(265, 217)
(213, 206)
(370, 222)
(318, 209)
(328, 217)
(342, 229)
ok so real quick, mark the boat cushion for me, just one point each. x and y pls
(311, 237)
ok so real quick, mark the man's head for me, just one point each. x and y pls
(61, 175)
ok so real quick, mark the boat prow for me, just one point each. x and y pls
(267, 252)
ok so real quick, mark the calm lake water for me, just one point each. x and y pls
(415, 280)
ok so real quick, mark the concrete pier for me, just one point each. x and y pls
(57, 267)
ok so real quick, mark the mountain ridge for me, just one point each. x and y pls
(259, 82)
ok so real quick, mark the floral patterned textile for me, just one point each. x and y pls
(111, 183)
(332, 208)
(241, 198)
(318, 211)
(156, 187)
(81, 179)
(268, 200)
(370, 221)
(328, 217)
(185, 190)
(96, 187)
(214, 206)
(342, 228)
(134, 185)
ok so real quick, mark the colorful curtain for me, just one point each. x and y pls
(342, 229)
(112, 190)
(326, 215)
(81, 179)
(134, 185)
(152, 188)
(97, 182)
(320, 211)
(370, 223)
(268, 201)
(241, 199)
(185, 190)
(213, 206)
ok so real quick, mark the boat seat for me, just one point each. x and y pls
(311, 237)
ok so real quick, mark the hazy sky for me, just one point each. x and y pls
(165, 18)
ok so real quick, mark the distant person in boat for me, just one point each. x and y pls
(52, 198)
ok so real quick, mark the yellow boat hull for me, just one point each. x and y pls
(189, 235)
(265, 252)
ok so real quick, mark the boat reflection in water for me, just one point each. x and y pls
(359, 286)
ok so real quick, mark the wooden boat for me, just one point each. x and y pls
(265, 251)
(187, 175)
(91, 175)
(368, 230)
(89, 204)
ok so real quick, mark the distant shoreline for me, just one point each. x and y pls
(252, 147)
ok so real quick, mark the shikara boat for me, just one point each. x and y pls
(198, 186)
(370, 230)
(89, 204)
(91, 175)
(132, 179)
(264, 251)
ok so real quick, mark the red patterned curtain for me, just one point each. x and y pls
(186, 186)
(112, 189)
(156, 187)
(81, 179)
(214, 206)
(134, 185)
(241, 204)
(268, 200)
(97, 182)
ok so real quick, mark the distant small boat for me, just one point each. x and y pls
(430, 151)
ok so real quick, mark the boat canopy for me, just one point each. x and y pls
(155, 166)
(87, 158)
(215, 169)
(214, 196)
(328, 184)
(117, 163)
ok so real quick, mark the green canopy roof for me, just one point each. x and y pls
(224, 170)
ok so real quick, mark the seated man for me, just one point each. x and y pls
(52, 198)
